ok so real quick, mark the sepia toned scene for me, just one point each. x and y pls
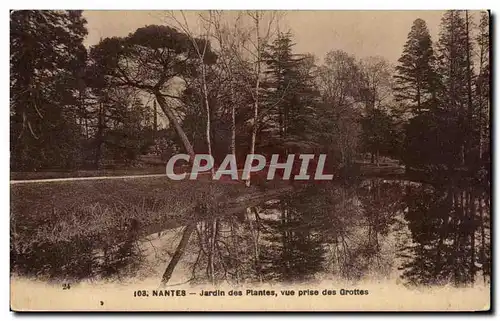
(397, 102)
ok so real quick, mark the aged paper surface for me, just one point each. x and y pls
(250, 161)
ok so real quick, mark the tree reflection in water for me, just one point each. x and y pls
(352, 232)
(370, 229)
(450, 228)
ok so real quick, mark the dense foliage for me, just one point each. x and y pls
(162, 90)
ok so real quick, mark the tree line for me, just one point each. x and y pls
(236, 85)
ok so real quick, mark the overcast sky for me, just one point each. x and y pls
(362, 33)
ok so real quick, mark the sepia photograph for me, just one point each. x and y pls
(250, 160)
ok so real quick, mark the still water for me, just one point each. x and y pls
(374, 229)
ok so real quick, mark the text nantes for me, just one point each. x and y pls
(253, 163)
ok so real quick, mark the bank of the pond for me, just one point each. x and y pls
(55, 217)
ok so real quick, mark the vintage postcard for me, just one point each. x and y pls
(250, 160)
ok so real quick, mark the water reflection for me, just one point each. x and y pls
(79, 258)
(451, 235)
(373, 229)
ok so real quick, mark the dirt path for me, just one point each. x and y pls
(69, 179)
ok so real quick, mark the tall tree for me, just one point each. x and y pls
(377, 85)
(233, 35)
(201, 51)
(290, 95)
(227, 40)
(454, 66)
(153, 59)
(483, 82)
(415, 79)
(340, 81)
(377, 123)
(262, 32)
(47, 57)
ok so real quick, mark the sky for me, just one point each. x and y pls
(362, 33)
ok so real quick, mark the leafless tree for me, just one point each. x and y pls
(377, 77)
(201, 52)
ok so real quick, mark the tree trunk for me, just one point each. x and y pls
(419, 104)
(472, 233)
(479, 93)
(207, 109)
(86, 128)
(233, 122)
(456, 245)
(483, 238)
(171, 117)
(254, 133)
(99, 136)
(155, 119)
(256, 98)
(468, 128)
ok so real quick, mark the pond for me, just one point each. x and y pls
(372, 229)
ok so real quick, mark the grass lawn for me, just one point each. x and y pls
(54, 222)
(60, 210)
